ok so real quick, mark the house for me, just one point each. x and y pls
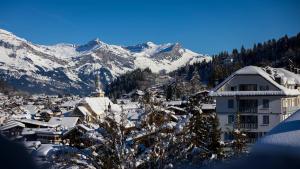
(30, 123)
(91, 109)
(76, 136)
(95, 107)
(12, 129)
(64, 122)
(134, 95)
(255, 99)
(44, 135)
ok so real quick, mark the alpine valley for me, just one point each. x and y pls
(69, 68)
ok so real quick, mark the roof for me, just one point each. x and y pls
(286, 133)
(47, 149)
(49, 131)
(99, 104)
(11, 124)
(36, 122)
(176, 108)
(175, 103)
(83, 110)
(288, 74)
(32, 109)
(85, 127)
(248, 93)
(254, 70)
(66, 122)
(206, 106)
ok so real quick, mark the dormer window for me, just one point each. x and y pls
(248, 87)
(233, 88)
(264, 88)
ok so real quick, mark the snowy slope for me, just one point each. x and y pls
(71, 68)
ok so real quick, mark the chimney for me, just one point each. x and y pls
(268, 70)
(278, 79)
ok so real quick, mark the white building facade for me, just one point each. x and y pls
(255, 100)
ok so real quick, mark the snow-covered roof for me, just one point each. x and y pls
(11, 124)
(176, 108)
(36, 122)
(100, 104)
(251, 93)
(70, 103)
(32, 109)
(286, 133)
(288, 74)
(84, 110)
(45, 149)
(175, 103)
(84, 127)
(31, 131)
(254, 70)
(32, 144)
(65, 122)
(206, 106)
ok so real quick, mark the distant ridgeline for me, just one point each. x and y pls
(284, 52)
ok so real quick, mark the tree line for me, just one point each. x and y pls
(284, 52)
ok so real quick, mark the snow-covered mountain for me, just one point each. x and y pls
(68, 68)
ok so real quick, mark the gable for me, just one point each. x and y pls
(238, 80)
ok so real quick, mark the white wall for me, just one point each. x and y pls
(248, 79)
(274, 112)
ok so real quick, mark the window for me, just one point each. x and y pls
(232, 88)
(230, 119)
(230, 103)
(265, 119)
(265, 103)
(264, 88)
(248, 119)
(248, 106)
(248, 87)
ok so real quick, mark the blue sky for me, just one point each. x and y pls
(204, 26)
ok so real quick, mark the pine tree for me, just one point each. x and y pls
(239, 142)
(215, 137)
(169, 92)
(195, 82)
(199, 129)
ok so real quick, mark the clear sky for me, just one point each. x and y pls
(204, 26)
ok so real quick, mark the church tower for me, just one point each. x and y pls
(98, 91)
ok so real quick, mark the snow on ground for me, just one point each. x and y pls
(286, 133)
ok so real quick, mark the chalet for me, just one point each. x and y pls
(12, 129)
(29, 123)
(255, 99)
(44, 135)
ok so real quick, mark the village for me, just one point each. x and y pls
(253, 100)
(47, 124)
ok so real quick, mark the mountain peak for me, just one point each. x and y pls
(2, 31)
(90, 45)
(96, 41)
(149, 43)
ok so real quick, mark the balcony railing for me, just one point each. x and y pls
(248, 125)
(289, 110)
(248, 109)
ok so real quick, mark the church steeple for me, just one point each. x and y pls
(98, 90)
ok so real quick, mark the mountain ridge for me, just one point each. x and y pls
(70, 68)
